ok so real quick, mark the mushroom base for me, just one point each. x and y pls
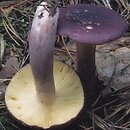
(22, 101)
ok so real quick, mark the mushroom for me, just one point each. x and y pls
(47, 93)
(89, 25)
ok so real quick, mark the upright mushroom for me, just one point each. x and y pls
(41, 94)
(89, 25)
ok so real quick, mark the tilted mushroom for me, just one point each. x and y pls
(47, 93)
(89, 25)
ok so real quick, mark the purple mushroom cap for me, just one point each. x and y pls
(90, 24)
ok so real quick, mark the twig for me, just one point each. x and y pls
(101, 123)
(68, 50)
(116, 111)
(6, 28)
(2, 127)
(2, 49)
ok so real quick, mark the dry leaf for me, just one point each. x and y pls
(10, 68)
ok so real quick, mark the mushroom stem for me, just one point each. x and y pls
(41, 45)
(86, 69)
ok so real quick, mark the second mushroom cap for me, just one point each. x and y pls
(91, 24)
